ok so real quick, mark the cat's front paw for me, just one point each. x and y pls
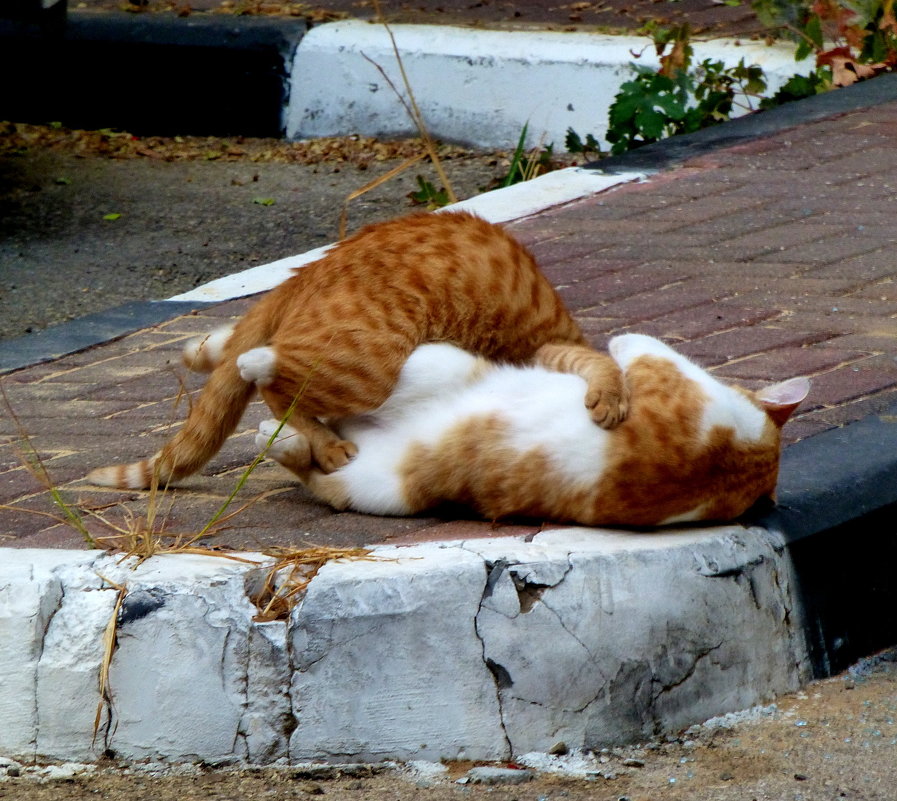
(335, 454)
(608, 407)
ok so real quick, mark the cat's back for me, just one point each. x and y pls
(451, 276)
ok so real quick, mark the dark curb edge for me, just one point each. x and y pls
(86, 332)
(836, 476)
(837, 515)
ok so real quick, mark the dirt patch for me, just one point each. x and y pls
(93, 219)
(705, 17)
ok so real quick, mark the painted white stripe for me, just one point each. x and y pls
(501, 205)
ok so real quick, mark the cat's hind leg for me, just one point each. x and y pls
(328, 451)
(286, 446)
(292, 449)
(607, 396)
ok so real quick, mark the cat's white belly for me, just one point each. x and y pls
(371, 479)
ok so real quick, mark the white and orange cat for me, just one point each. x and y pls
(517, 441)
(342, 327)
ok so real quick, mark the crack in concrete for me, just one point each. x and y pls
(60, 598)
(240, 736)
(666, 687)
(489, 664)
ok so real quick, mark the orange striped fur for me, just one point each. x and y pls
(342, 327)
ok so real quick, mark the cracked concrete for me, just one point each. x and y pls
(458, 650)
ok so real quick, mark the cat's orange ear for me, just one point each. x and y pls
(780, 400)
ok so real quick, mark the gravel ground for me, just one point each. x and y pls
(835, 740)
(92, 220)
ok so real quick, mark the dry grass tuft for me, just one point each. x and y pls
(287, 579)
(110, 641)
(32, 462)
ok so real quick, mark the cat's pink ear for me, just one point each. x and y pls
(780, 400)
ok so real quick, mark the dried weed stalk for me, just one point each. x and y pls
(110, 640)
(31, 460)
(288, 578)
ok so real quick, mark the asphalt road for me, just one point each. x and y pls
(179, 223)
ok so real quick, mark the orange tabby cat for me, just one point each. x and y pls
(340, 330)
(516, 441)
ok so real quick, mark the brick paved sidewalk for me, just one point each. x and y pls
(766, 260)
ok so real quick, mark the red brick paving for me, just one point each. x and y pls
(763, 261)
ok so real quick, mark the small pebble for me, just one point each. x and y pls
(487, 775)
(633, 763)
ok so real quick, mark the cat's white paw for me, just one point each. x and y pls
(258, 366)
(203, 353)
(287, 441)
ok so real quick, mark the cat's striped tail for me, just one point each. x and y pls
(212, 419)
(217, 411)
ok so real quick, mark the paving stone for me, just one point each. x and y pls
(853, 382)
(832, 249)
(685, 324)
(610, 288)
(738, 342)
(874, 266)
(789, 361)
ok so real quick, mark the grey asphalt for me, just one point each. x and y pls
(181, 223)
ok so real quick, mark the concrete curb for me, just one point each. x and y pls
(479, 86)
(467, 650)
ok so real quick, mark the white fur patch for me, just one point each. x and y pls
(281, 446)
(207, 348)
(258, 366)
(433, 370)
(725, 406)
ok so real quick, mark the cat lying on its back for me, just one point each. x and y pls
(517, 441)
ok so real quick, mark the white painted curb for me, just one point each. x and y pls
(463, 650)
(480, 87)
(501, 205)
